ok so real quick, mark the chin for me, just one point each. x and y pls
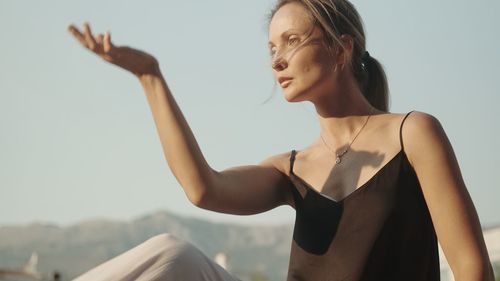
(293, 95)
(289, 96)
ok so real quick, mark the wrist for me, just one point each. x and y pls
(151, 82)
(151, 76)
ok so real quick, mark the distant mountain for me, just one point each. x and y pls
(257, 250)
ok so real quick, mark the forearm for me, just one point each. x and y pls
(180, 148)
(474, 273)
(179, 145)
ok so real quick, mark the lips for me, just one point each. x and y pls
(284, 81)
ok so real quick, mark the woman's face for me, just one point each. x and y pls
(301, 62)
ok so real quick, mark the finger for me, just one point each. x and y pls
(107, 42)
(77, 34)
(91, 44)
(99, 38)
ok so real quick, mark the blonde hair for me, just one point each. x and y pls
(339, 17)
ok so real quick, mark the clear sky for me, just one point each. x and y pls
(77, 139)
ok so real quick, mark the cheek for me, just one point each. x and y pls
(317, 59)
(317, 68)
(323, 62)
(314, 72)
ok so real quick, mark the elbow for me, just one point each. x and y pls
(198, 198)
(203, 195)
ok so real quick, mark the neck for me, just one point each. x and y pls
(341, 114)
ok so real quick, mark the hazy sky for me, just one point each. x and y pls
(78, 141)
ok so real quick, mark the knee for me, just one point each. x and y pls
(165, 242)
(164, 238)
(175, 258)
(169, 245)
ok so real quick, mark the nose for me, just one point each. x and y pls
(279, 63)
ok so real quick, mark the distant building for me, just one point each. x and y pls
(28, 272)
(221, 259)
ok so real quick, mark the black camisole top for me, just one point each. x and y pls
(380, 232)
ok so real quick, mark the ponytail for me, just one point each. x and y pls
(375, 87)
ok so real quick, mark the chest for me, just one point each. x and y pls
(345, 181)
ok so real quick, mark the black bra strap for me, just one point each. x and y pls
(292, 160)
(401, 130)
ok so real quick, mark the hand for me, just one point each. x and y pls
(135, 61)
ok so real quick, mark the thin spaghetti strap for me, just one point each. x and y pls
(292, 160)
(401, 130)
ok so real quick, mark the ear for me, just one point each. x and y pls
(344, 52)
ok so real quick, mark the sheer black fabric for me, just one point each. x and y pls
(381, 231)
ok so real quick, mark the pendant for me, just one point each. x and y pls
(338, 160)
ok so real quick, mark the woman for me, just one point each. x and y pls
(372, 194)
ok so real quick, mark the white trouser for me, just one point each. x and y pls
(162, 257)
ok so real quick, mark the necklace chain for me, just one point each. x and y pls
(338, 156)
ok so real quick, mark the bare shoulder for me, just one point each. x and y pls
(280, 161)
(420, 131)
(419, 125)
(419, 120)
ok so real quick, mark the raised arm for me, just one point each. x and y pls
(239, 190)
(451, 208)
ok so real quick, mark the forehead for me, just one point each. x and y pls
(290, 16)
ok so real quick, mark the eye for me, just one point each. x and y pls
(272, 51)
(292, 40)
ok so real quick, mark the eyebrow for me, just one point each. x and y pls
(284, 35)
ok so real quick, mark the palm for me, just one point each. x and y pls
(133, 60)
